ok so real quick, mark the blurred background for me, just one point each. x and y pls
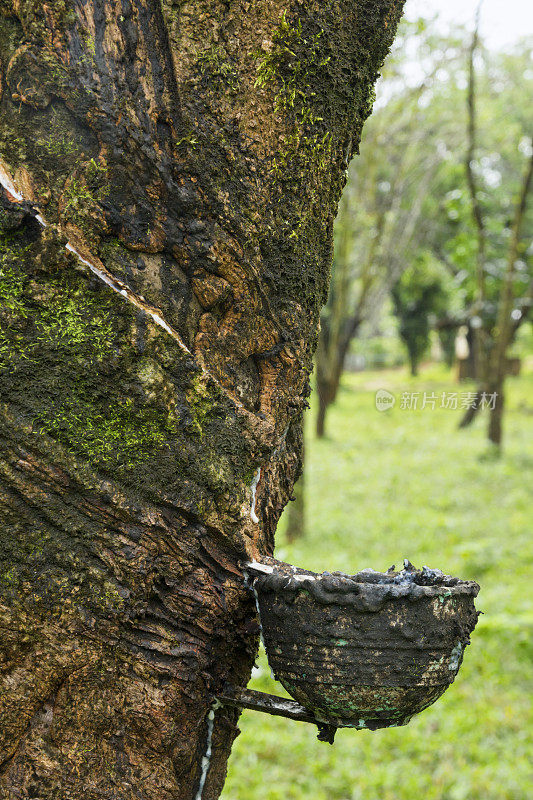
(419, 440)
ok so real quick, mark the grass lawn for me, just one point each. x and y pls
(405, 483)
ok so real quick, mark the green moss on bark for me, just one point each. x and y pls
(292, 68)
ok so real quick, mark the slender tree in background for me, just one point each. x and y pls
(500, 309)
(172, 171)
(296, 511)
(510, 316)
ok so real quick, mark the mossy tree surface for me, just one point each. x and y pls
(193, 154)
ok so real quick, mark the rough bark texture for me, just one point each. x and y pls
(192, 154)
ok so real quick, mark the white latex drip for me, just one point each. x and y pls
(257, 478)
(268, 570)
(258, 610)
(261, 627)
(206, 759)
(257, 565)
(301, 578)
(250, 583)
(8, 185)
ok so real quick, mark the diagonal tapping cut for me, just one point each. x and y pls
(100, 271)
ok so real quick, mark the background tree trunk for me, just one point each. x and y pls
(172, 171)
(296, 509)
(496, 414)
(330, 366)
(296, 512)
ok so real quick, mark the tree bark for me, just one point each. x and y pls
(171, 175)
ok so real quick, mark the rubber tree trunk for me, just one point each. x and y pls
(172, 171)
